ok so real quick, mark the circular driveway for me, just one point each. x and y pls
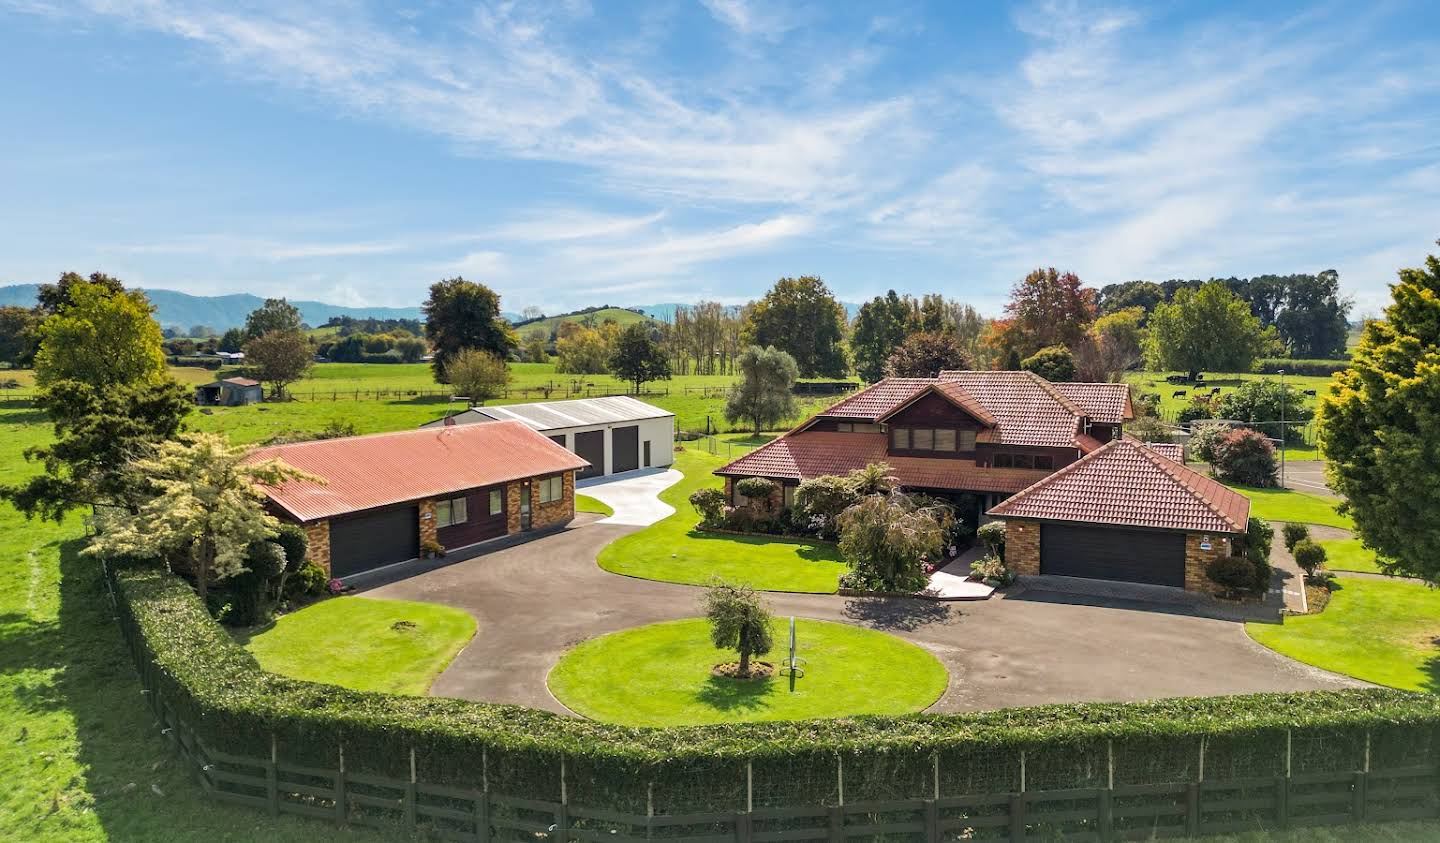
(534, 601)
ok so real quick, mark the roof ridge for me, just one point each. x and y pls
(1056, 394)
(419, 430)
(1173, 470)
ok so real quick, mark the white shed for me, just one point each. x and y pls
(615, 434)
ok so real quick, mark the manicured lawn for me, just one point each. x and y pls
(392, 646)
(1290, 505)
(1349, 555)
(1154, 383)
(585, 503)
(659, 675)
(1382, 631)
(674, 551)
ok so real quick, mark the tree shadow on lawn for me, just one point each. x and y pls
(807, 549)
(731, 695)
(901, 614)
(32, 414)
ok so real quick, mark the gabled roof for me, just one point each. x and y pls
(364, 472)
(556, 415)
(1106, 403)
(241, 382)
(1127, 483)
(951, 392)
(877, 399)
(814, 453)
(1027, 408)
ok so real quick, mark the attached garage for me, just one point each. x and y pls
(614, 434)
(371, 540)
(1108, 553)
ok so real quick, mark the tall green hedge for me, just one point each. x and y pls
(1320, 368)
(235, 706)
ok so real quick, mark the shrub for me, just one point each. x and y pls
(1235, 574)
(758, 491)
(309, 581)
(1295, 533)
(431, 549)
(1054, 363)
(883, 538)
(1259, 536)
(1246, 457)
(823, 499)
(293, 541)
(992, 570)
(1203, 439)
(992, 537)
(1258, 403)
(1148, 429)
(1309, 556)
(1318, 368)
(249, 590)
(710, 505)
(1198, 407)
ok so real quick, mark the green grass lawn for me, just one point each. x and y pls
(1349, 555)
(585, 503)
(674, 551)
(659, 675)
(1290, 505)
(1382, 631)
(1154, 383)
(391, 646)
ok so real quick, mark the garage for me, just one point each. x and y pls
(627, 449)
(590, 446)
(369, 540)
(1106, 553)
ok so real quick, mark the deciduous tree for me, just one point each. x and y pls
(637, 358)
(462, 314)
(279, 358)
(581, 351)
(1055, 364)
(478, 375)
(765, 395)
(925, 354)
(52, 298)
(881, 325)
(19, 335)
(1048, 308)
(740, 620)
(100, 337)
(800, 317)
(272, 316)
(1209, 329)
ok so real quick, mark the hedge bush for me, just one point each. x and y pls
(1320, 368)
(219, 690)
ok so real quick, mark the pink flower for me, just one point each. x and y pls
(336, 586)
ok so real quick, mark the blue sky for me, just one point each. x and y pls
(634, 152)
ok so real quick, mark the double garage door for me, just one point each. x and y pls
(625, 450)
(369, 540)
(1104, 553)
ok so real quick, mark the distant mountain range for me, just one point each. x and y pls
(221, 312)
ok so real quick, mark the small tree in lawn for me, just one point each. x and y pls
(765, 394)
(637, 358)
(1294, 533)
(477, 375)
(1246, 457)
(1309, 556)
(207, 513)
(280, 358)
(739, 620)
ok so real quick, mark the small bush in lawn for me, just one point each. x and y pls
(992, 538)
(1309, 556)
(1235, 574)
(1245, 456)
(1294, 534)
(710, 504)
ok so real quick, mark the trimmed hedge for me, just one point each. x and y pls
(1319, 368)
(235, 706)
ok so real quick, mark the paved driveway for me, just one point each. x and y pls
(634, 495)
(536, 600)
(1307, 476)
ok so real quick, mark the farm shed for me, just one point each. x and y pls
(230, 392)
(613, 434)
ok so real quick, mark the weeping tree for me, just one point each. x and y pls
(884, 537)
(739, 620)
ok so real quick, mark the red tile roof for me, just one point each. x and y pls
(1106, 403)
(951, 392)
(1027, 408)
(363, 472)
(1129, 484)
(810, 454)
(878, 399)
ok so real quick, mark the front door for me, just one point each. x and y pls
(525, 505)
(647, 453)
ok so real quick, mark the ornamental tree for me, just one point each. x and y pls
(207, 511)
(1048, 308)
(883, 538)
(740, 620)
(637, 358)
(765, 395)
(926, 354)
(1246, 457)
(1380, 429)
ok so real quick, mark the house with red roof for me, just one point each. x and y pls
(381, 499)
(1080, 497)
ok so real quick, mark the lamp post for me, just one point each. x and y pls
(1282, 428)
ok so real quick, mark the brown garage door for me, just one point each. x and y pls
(372, 539)
(1106, 553)
(590, 446)
(626, 442)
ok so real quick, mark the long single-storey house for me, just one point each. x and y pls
(387, 494)
(1080, 497)
(613, 434)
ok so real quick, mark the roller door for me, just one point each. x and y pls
(362, 542)
(626, 442)
(1105, 553)
(590, 446)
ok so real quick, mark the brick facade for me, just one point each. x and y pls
(512, 507)
(1022, 553)
(427, 524)
(317, 547)
(541, 514)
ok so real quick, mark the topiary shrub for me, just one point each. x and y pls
(1235, 574)
(992, 537)
(1309, 556)
(710, 505)
(309, 581)
(1246, 457)
(1294, 534)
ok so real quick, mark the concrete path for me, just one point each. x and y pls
(534, 601)
(952, 582)
(633, 495)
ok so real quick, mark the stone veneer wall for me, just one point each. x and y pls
(317, 546)
(1022, 546)
(1022, 553)
(541, 514)
(427, 524)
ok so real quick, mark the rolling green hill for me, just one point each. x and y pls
(599, 315)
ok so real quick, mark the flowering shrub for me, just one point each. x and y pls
(336, 586)
(710, 505)
(991, 570)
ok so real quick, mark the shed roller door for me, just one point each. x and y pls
(1107, 553)
(626, 442)
(590, 446)
(363, 542)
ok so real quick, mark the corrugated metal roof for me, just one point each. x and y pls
(1127, 483)
(364, 472)
(555, 415)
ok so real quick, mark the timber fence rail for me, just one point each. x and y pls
(759, 806)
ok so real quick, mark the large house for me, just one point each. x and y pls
(384, 496)
(1080, 497)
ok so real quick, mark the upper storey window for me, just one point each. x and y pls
(945, 439)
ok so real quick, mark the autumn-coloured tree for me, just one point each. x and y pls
(1047, 308)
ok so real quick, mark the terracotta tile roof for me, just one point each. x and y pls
(1168, 450)
(1129, 484)
(955, 394)
(803, 456)
(363, 472)
(1106, 403)
(878, 399)
(1087, 443)
(1027, 408)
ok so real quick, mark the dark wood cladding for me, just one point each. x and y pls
(932, 410)
(984, 453)
(479, 524)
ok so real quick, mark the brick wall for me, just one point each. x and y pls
(556, 512)
(1196, 560)
(512, 507)
(777, 496)
(427, 524)
(1022, 546)
(317, 548)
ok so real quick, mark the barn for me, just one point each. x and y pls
(614, 434)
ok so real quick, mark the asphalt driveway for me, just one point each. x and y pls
(534, 601)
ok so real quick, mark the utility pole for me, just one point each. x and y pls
(1283, 440)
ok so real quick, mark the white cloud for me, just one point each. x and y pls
(768, 20)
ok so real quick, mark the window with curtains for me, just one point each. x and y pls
(552, 488)
(450, 512)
